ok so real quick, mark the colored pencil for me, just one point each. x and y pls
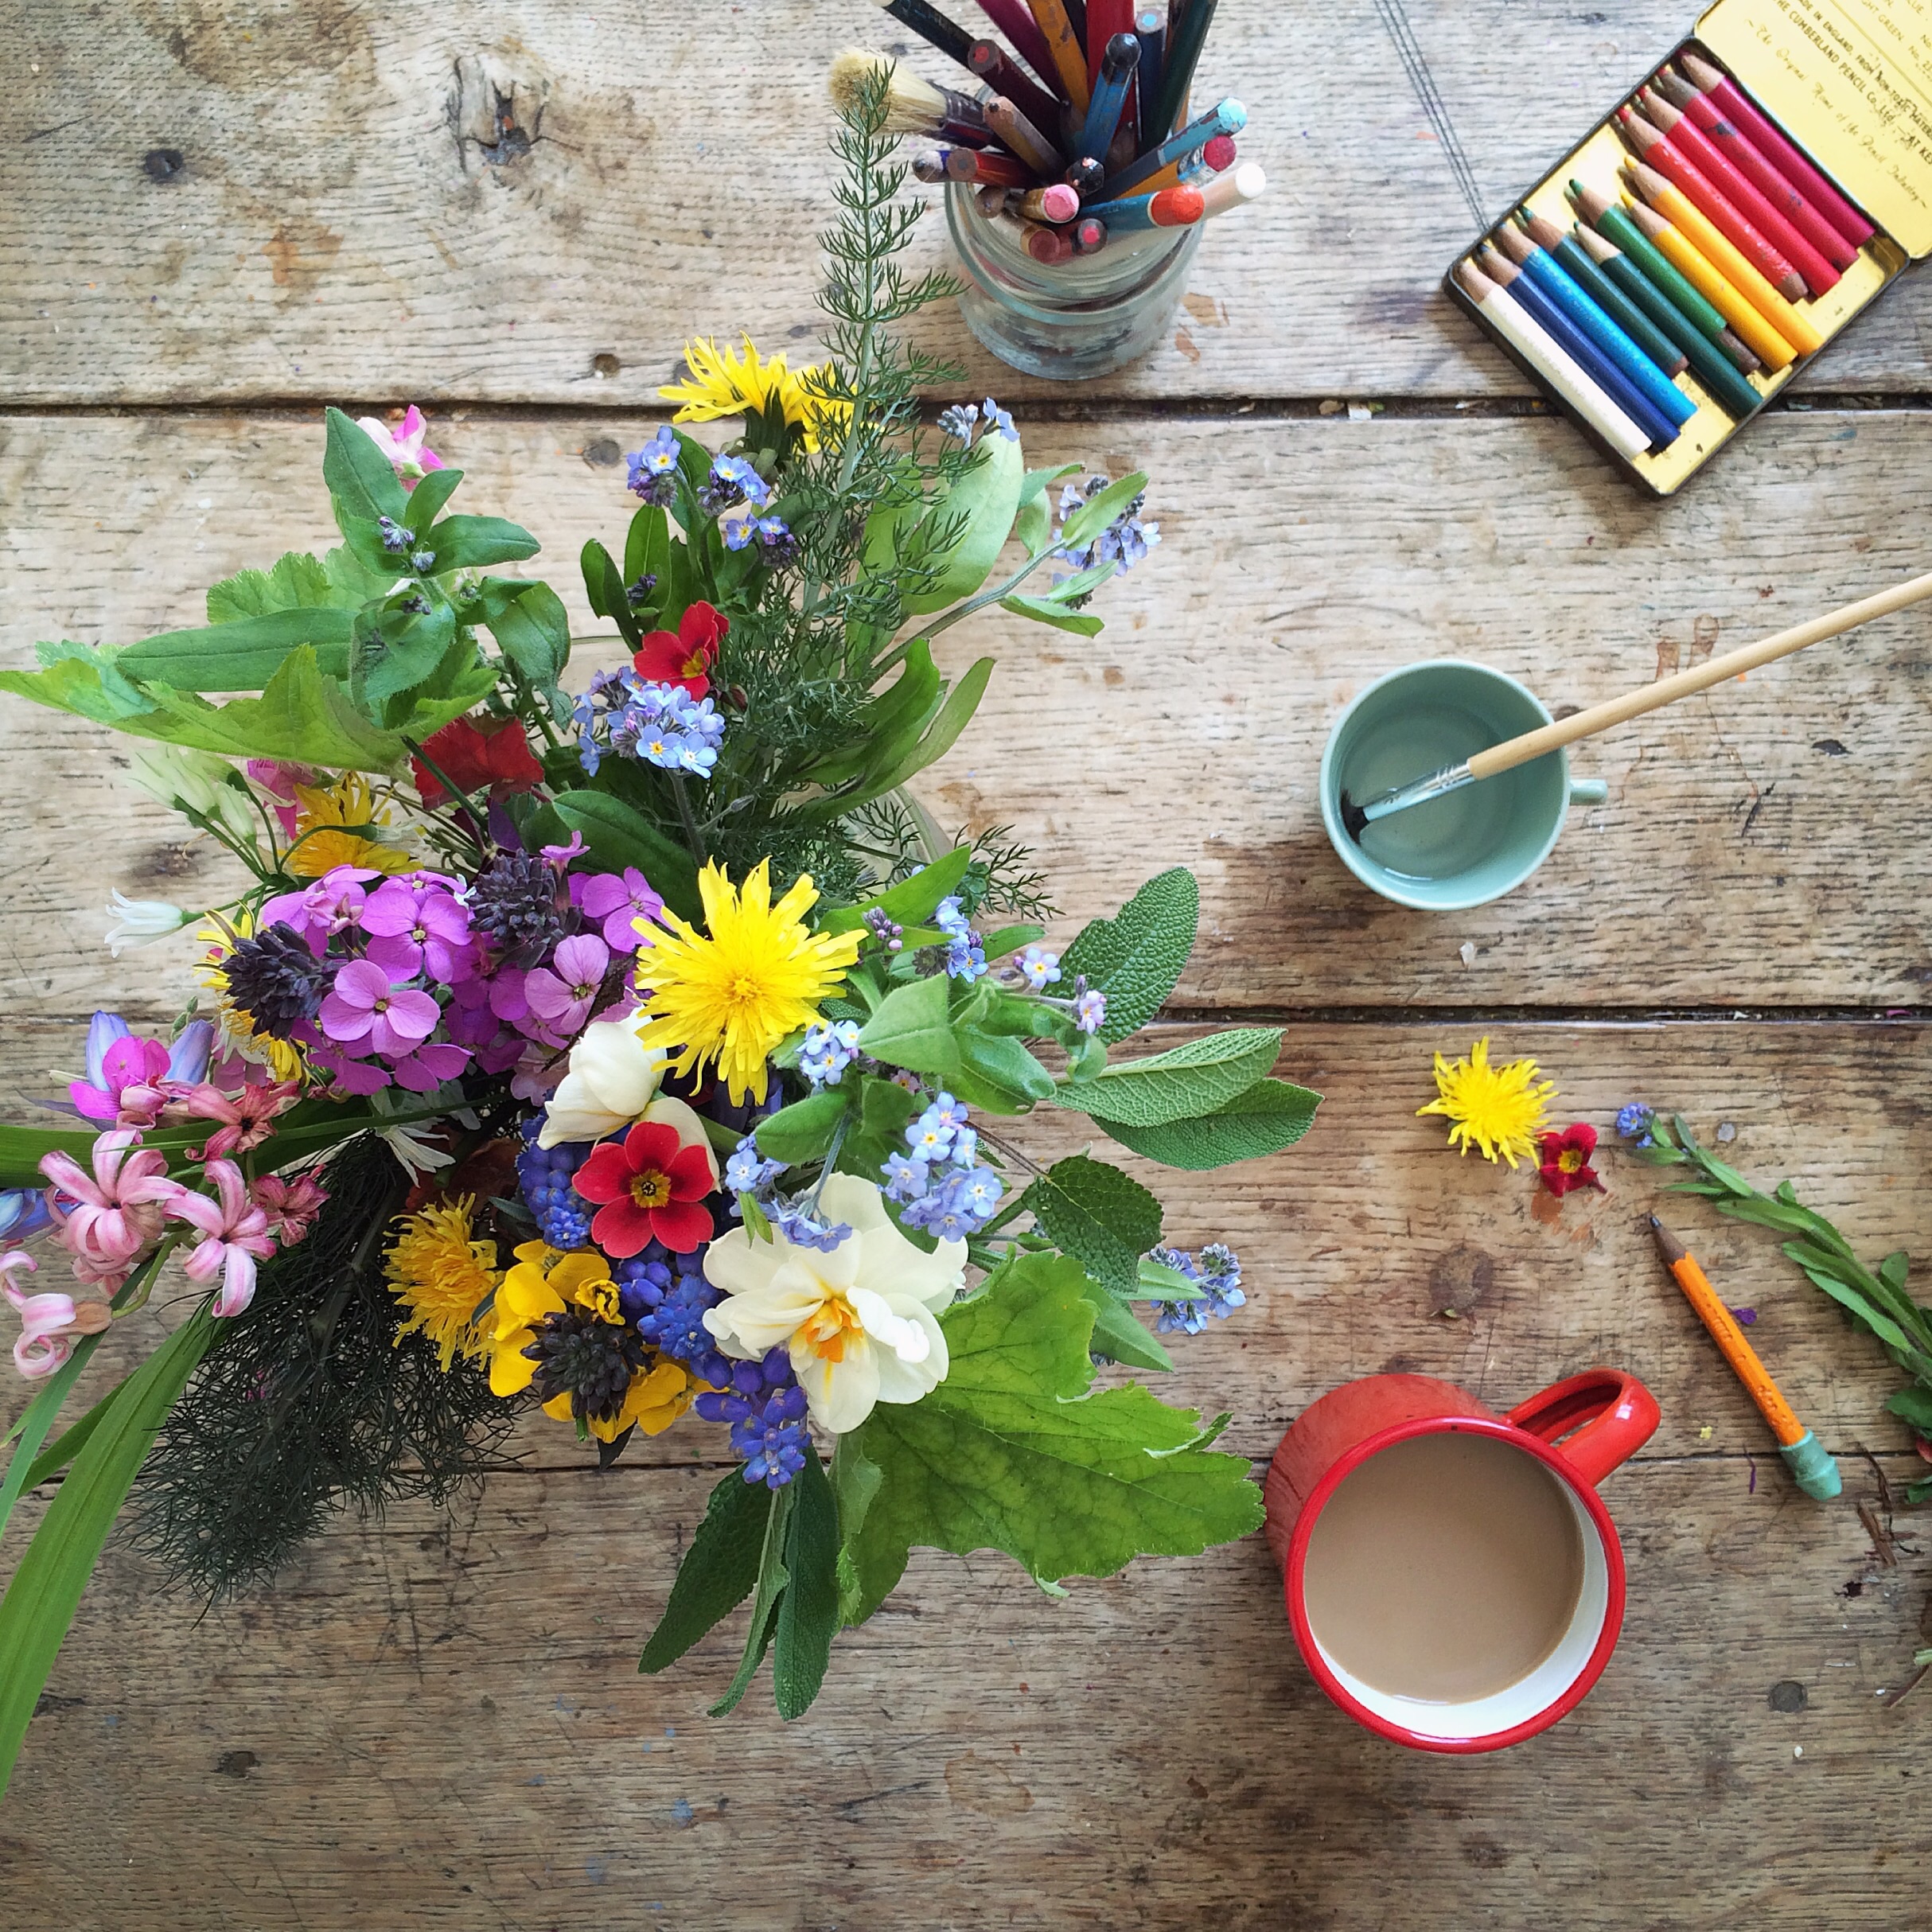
(1055, 202)
(931, 25)
(1658, 429)
(1105, 18)
(1551, 361)
(1612, 220)
(1011, 18)
(1069, 56)
(1216, 157)
(1076, 19)
(1577, 263)
(1714, 247)
(1004, 75)
(1045, 245)
(1807, 1460)
(1110, 93)
(1151, 30)
(1024, 139)
(1226, 117)
(1757, 333)
(1238, 186)
(986, 165)
(1725, 136)
(992, 200)
(1657, 389)
(1089, 235)
(1084, 176)
(1775, 149)
(913, 106)
(1658, 152)
(1712, 367)
(1184, 39)
(1173, 207)
(1691, 141)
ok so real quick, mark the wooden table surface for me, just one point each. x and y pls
(221, 214)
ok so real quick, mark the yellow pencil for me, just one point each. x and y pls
(1815, 1472)
(1063, 44)
(1751, 329)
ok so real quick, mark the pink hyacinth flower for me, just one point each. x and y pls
(290, 1206)
(369, 1010)
(117, 1211)
(49, 1323)
(234, 1236)
(244, 1119)
(402, 444)
(618, 899)
(561, 993)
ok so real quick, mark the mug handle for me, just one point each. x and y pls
(1605, 1415)
(1588, 791)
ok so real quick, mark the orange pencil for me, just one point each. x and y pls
(1816, 1474)
(1756, 333)
(1063, 43)
(1704, 236)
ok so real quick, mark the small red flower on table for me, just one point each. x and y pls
(648, 1186)
(685, 657)
(1566, 1160)
(495, 758)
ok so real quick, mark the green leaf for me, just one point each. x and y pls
(530, 625)
(1081, 623)
(1097, 512)
(803, 1131)
(772, 1579)
(1006, 1453)
(719, 1571)
(23, 1470)
(1272, 1115)
(1034, 526)
(1201, 1077)
(1105, 1219)
(884, 1109)
(1005, 1063)
(619, 836)
(298, 581)
(474, 543)
(646, 544)
(888, 767)
(397, 648)
(46, 1588)
(363, 486)
(986, 496)
(604, 588)
(1121, 1336)
(76, 683)
(913, 1028)
(1007, 939)
(809, 1612)
(68, 1443)
(855, 1480)
(1137, 957)
(426, 500)
(1915, 1406)
(912, 901)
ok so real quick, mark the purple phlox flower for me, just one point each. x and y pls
(418, 926)
(998, 419)
(619, 902)
(332, 904)
(965, 954)
(563, 993)
(653, 469)
(828, 1048)
(369, 1010)
(958, 421)
(1038, 967)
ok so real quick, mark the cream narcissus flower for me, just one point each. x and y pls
(613, 1078)
(859, 1322)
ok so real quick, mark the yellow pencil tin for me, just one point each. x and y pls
(1848, 83)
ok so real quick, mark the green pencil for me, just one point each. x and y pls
(1614, 225)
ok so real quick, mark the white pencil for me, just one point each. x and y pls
(1221, 192)
(1551, 361)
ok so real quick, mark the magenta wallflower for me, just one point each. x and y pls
(369, 1009)
(332, 905)
(49, 1323)
(234, 1236)
(617, 900)
(561, 993)
(116, 1211)
(290, 1206)
(244, 1117)
(418, 925)
(428, 1067)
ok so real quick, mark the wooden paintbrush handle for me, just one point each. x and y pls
(1516, 751)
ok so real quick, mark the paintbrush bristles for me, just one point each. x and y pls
(913, 106)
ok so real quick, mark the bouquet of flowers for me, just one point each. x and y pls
(632, 1045)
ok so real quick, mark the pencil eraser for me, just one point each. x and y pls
(1812, 1467)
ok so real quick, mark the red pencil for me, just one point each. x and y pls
(1656, 152)
(1005, 75)
(1769, 182)
(1105, 18)
(1778, 150)
(1703, 152)
(1012, 19)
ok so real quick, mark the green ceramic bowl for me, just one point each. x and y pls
(1472, 845)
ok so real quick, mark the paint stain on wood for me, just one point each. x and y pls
(1185, 343)
(1460, 1279)
(1206, 310)
(978, 1784)
(297, 253)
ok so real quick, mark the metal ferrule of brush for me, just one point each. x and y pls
(1450, 778)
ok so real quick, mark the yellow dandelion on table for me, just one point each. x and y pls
(320, 846)
(731, 995)
(1497, 1110)
(442, 1277)
(724, 382)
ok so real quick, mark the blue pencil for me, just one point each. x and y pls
(1108, 101)
(1151, 30)
(1580, 348)
(1226, 117)
(1548, 274)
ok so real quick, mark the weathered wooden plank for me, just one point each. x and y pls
(1750, 851)
(524, 202)
(447, 1715)
(1357, 1241)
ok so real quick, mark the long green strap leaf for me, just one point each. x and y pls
(36, 1419)
(40, 1601)
(69, 1442)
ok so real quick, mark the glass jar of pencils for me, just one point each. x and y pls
(1073, 319)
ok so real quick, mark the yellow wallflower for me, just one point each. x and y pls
(733, 996)
(724, 383)
(566, 1306)
(1498, 1110)
(443, 1276)
(346, 802)
(283, 1059)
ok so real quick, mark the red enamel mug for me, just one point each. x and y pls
(1579, 1430)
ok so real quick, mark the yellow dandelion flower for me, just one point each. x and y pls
(1497, 1110)
(283, 1059)
(722, 381)
(732, 996)
(443, 1276)
(319, 849)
